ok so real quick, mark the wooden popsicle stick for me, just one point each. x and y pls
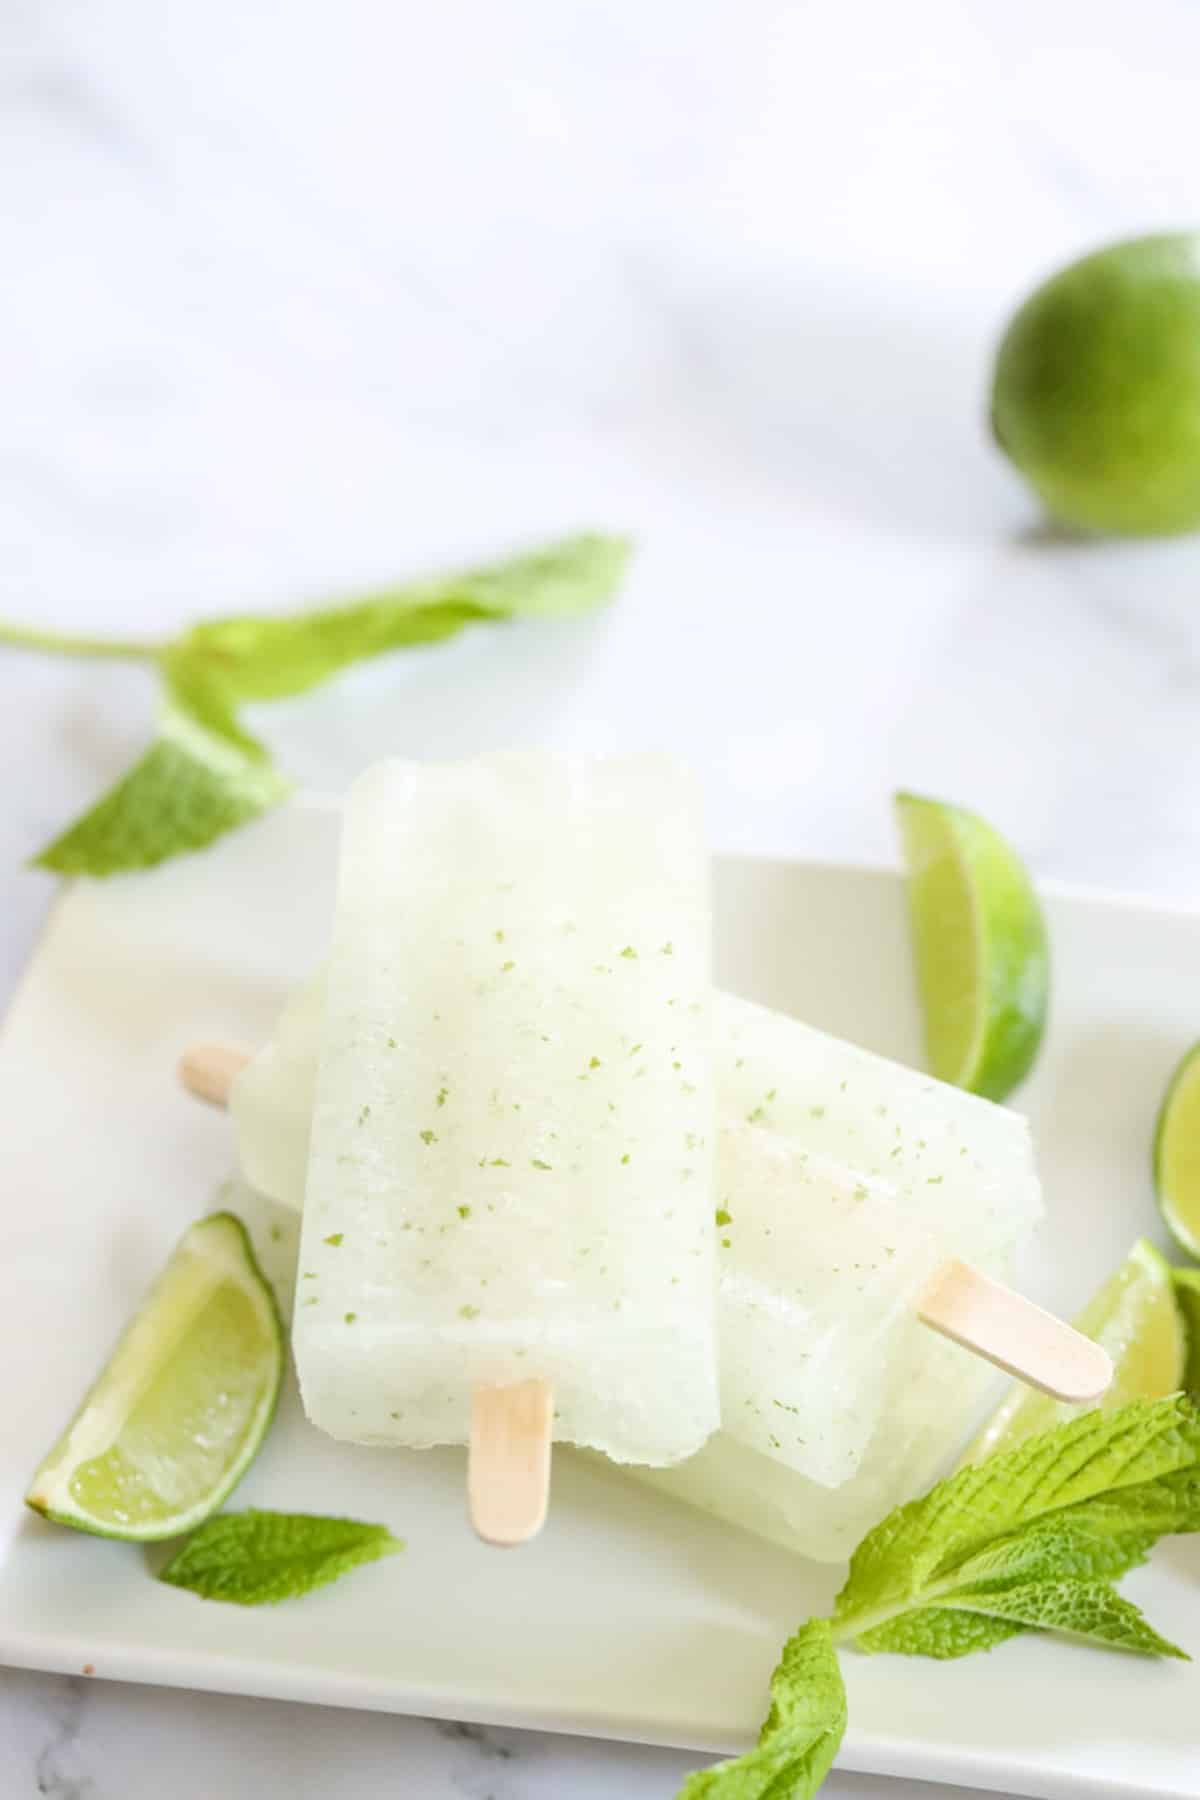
(980, 1314)
(208, 1071)
(1004, 1328)
(508, 1462)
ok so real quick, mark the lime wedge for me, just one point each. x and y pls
(179, 1412)
(1136, 1318)
(980, 943)
(1187, 1293)
(1177, 1154)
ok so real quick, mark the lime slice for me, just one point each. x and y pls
(1177, 1154)
(980, 943)
(1187, 1293)
(179, 1412)
(1136, 1318)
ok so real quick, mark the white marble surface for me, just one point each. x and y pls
(296, 298)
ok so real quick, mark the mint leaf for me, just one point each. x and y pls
(188, 788)
(939, 1632)
(258, 1558)
(912, 1557)
(205, 774)
(1027, 1541)
(268, 658)
(1075, 1546)
(1084, 1609)
(1132, 1520)
(196, 692)
(802, 1734)
(1068, 1545)
(1031, 1539)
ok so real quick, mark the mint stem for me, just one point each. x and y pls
(55, 643)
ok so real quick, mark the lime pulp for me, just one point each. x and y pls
(182, 1406)
(980, 944)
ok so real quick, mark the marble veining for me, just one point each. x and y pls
(299, 299)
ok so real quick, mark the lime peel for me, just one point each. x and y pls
(981, 947)
(1177, 1154)
(184, 1402)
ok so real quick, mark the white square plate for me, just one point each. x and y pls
(630, 1618)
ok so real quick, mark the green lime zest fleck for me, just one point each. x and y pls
(537, 1163)
(335, 1238)
(468, 1312)
(724, 1217)
(427, 1136)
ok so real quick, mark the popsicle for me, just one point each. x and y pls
(837, 1403)
(833, 1158)
(821, 1277)
(939, 1173)
(509, 1169)
(963, 1164)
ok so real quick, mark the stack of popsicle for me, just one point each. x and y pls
(499, 1109)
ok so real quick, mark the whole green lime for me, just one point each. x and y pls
(1096, 388)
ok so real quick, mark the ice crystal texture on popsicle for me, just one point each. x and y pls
(820, 1275)
(509, 1171)
(957, 1172)
(880, 1416)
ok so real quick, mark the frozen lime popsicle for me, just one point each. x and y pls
(509, 1168)
(842, 1180)
(822, 1272)
(894, 1171)
(837, 1402)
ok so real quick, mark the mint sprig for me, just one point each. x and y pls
(1033, 1536)
(1029, 1540)
(802, 1733)
(259, 1558)
(205, 774)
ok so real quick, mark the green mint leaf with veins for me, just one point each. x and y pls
(259, 1558)
(205, 774)
(1031, 1539)
(265, 658)
(1083, 1609)
(187, 789)
(802, 1734)
(938, 1632)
